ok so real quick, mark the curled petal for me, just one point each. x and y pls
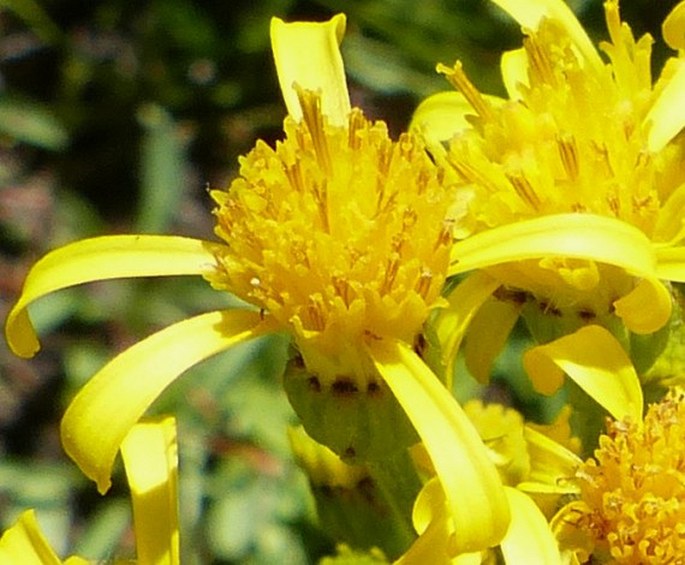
(307, 54)
(673, 28)
(529, 538)
(150, 456)
(102, 258)
(596, 362)
(647, 308)
(440, 116)
(580, 236)
(475, 495)
(107, 407)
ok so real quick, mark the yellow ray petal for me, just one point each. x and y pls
(579, 236)
(514, 66)
(529, 538)
(473, 489)
(150, 456)
(670, 225)
(647, 308)
(488, 333)
(102, 258)
(24, 543)
(440, 116)
(452, 322)
(552, 465)
(596, 362)
(666, 117)
(105, 409)
(529, 13)
(308, 54)
(673, 28)
(433, 526)
(671, 263)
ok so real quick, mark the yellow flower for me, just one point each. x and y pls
(537, 471)
(150, 458)
(338, 236)
(631, 508)
(572, 191)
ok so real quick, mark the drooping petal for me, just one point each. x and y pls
(647, 308)
(529, 538)
(105, 409)
(580, 236)
(666, 117)
(474, 492)
(307, 54)
(150, 457)
(102, 258)
(452, 322)
(671, 263)
(529, 13)
(488, 333)
(24, 543)
(596, 362)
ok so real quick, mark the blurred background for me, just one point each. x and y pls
(115, 117)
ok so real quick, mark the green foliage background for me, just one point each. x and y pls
(114, 118)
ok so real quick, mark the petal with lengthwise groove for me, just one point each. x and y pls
(594, 359)
(102, 258)
(150, 457)
(307, 54)
(475, 496)
(112, 401)
(579, 236)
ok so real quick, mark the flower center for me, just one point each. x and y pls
(339, 233)
(571, 139)
(634, 490)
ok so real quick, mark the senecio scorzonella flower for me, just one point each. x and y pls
(337, 236)
(631, 506)
(572, 196)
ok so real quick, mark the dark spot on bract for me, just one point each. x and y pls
(344, 386)
(420, 345)
(514, 296)
(586, 314)
(297, 361)
(373, 389)
(314, 384)
(550, 310)
(350, 453)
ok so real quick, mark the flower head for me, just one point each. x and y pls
(572, 189)
(576, 136)
(632, 493)
(339, 233)
(338, 236)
